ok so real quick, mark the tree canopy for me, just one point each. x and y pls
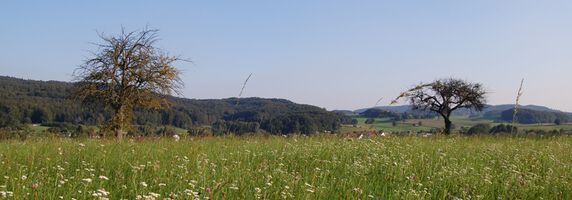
(127, 71)
(444, 96)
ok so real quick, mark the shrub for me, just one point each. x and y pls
(16, 132)
(502, 128)
(479, 129)
(369, 121)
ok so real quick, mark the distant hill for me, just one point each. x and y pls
(528, 113)
(345, 112)
(397, 109)
(31, 101)
(488, 108)
(531, 116)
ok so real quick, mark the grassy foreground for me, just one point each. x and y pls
(292, 168)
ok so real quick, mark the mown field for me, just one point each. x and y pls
(297, 167)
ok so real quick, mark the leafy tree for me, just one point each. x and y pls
(127, 72)
(502, 128)
(444, 96)
(369, 121)
(479, 129)
(354, 122)
(557, 121)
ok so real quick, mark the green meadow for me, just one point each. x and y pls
(294, 167)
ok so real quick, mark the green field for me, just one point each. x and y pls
(385, 124)
(297, 167)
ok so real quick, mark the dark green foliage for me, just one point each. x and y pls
(26, 101)
(199, 131)
(369, 121)
(354, 122)
(166, 131)
(15, 132)
(528, 116)
(222, 127)
(300, 123)
(152, 131)
(379, 113)
(502, 128)
(479, 129)
(66, 129)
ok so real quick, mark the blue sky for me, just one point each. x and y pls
(333, 54)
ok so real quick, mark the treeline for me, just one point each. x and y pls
(507, 129)
(527, 116)
(48, 102)
(396, 116)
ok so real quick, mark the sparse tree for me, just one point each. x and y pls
(444, 96)
(127, 71)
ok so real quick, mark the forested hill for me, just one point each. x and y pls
(527, 114)
(30, 101)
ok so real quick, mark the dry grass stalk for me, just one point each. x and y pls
(516, 105)
(243, 86)
(377, 102)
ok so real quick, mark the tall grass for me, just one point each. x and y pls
(516, 105)
(290, 168)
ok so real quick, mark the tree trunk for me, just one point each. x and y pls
(119, 123)
(119, 133)
(448, 125)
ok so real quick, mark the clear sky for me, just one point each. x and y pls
(333, 54)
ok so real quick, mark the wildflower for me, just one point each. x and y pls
(191, 193)
(81, 145)
(103, 178)
(162, 184)
(6, 194)
(103, 192)
(87, 180)
(143, 184)
(258, 193)
(233, 188)
(154, 194)
(176, 137)
(35, 186)
(24, 177)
